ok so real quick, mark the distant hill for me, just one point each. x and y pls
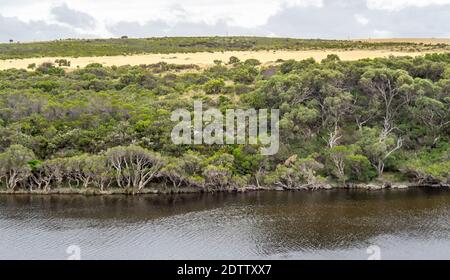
(425, 41)
(126, 46)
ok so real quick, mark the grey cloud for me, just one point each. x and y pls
(337, 20)
(334, 20)
(431, 21)
(17, 30)
(135, 29)
(64, 14)
(184, 28)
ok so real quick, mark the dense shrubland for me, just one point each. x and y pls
(126, 46)
(341, 123)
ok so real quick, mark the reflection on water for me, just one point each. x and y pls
(411, 223)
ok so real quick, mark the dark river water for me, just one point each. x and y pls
(338, 224)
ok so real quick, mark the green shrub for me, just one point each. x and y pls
(214, 86)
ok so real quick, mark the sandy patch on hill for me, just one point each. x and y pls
(205, 59)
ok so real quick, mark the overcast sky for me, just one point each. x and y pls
(29, 20)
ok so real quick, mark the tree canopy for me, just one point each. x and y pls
(341, 122)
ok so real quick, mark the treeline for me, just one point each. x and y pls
(127, 46)
(129, 168)
(341, 123)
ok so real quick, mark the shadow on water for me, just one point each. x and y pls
(246, 225)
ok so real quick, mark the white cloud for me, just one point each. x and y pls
(382, 33)
(361, 19)
(250, 13)
(287, 18)
(401, 4)
(26, 10)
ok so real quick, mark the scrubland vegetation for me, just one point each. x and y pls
(126, 46)
(108, 128)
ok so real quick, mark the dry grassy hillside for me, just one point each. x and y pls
(205, 59)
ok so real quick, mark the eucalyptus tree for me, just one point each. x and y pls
(378, 150)
(174, 172)
(296, 173)
(219, 171)
(134, 166)
(392, 89)
(15, 165)
(434, 115)
(102, 174)
(336, 108)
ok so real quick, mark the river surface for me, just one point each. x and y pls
(337, 224)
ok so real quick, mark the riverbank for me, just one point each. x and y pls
(186, 190)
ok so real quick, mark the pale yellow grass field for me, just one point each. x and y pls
(205, 59)
(430, 41)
